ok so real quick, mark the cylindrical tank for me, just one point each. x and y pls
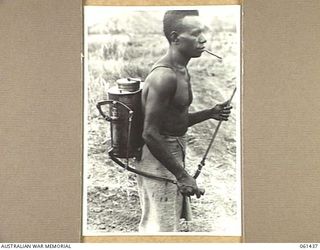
(126, 138)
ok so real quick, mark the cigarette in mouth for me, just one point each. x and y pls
(208, 51)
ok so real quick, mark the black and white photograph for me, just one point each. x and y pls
(162, 116)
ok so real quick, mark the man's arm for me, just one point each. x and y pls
(161, 88)
(220, 112)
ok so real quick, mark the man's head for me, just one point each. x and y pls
(184, 30)
(172, 20)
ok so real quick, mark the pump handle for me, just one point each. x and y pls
(109, 102)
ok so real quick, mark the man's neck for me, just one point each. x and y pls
(177, 59)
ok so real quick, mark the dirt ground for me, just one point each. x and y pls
(112, 197)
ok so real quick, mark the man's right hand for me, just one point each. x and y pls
(187, 185)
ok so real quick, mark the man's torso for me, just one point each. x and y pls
(175, 119)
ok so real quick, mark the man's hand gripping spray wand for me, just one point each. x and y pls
(202, 163)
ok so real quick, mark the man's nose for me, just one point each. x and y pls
(202, 39)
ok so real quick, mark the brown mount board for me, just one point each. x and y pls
(281, 62)
(41, 121)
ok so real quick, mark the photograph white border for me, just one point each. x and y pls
(99, 12)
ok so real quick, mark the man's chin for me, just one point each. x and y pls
(199, 52)
(197, 55)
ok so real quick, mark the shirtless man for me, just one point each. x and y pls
(166, 98)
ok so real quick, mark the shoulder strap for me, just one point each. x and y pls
(169, 67)
(162, 66)
(165, 66)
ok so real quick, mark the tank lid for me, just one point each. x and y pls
(116, 91)
(128, 80)
(129, 84)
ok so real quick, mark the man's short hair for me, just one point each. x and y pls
(172, 20)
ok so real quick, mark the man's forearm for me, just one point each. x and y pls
(200, 116)
(160, 152)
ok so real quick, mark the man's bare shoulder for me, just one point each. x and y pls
(162, 79)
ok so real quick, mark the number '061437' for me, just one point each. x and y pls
(305, 246)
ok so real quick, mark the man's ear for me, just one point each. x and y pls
(174, 37)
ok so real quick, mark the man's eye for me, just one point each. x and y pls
(196, 33)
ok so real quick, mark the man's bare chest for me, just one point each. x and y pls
(183, 95)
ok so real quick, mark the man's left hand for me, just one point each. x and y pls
(221, 112)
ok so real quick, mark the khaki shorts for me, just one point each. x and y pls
(161, 203)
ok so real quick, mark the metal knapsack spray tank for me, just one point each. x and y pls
(125, 117)
(126, 124)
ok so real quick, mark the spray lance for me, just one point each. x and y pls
(202, 162)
